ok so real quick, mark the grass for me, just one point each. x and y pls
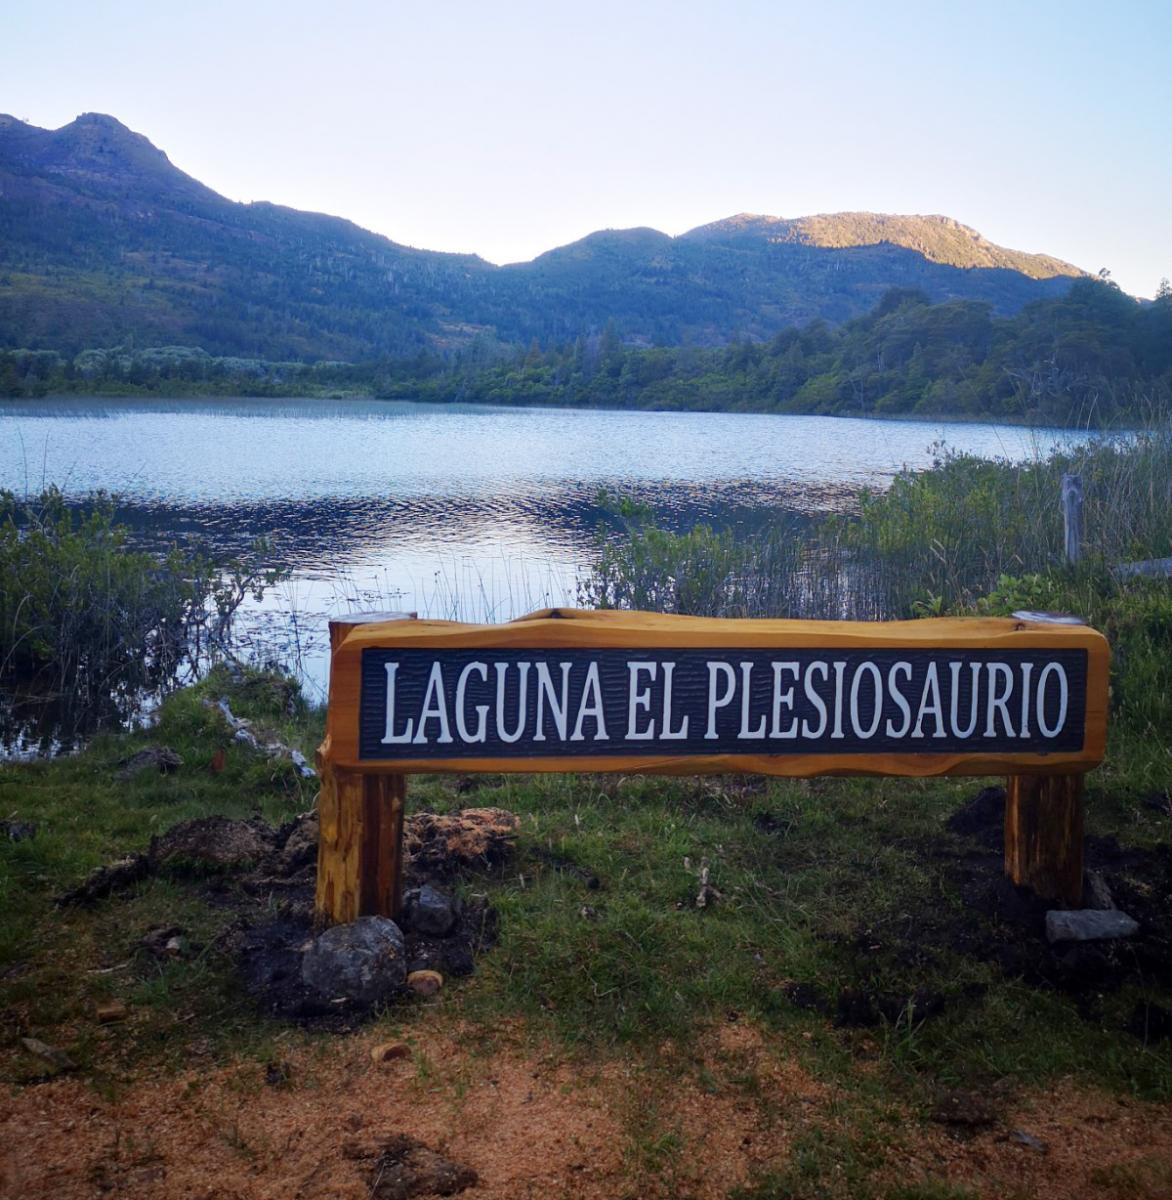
(853, 887)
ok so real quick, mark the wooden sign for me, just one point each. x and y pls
(563, 690)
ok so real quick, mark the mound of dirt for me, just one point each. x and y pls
(443, 844)
(215, 843)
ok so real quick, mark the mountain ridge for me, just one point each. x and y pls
(102, 238)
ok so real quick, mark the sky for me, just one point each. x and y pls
(506, 129)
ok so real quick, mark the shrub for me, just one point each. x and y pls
(83, 615)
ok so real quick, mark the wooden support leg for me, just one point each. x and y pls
(1044, 835)
(360, 845)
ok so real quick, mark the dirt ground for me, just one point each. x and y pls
(530, 1122)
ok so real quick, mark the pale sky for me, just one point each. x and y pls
(506, 129)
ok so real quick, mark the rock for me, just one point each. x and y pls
(18, 831)
(161, 758)
(1096, 894)
(362, 963)
(111, 1012)
(471, 837)
(215, 842)
(1020, 1138)
(1088, 925)
(425, 983)
(163, 941)
(302, 765)
(105, 880)
(56, 1061)
(430, 911)
(386, 1052)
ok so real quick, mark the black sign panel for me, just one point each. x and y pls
(500, 704)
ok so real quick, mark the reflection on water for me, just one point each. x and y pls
(472, 512)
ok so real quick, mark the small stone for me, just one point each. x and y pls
(55, 1060)
(163, 941)
(1020, 1138)
(112, 1011)
(429, 911)
(362, 963)
(386, 1052)
(425, 983)
(1088, 925)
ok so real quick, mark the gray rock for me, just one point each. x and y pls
(1019, 1137)
(159, 758)
(363, 962)
(1088, 925)
(1096, 893)
(54, 1061)
(429, 911)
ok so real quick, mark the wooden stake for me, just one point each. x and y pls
(360, 819)
(1072, 517)
(1044, 835)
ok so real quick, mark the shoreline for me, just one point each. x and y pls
(943, 418)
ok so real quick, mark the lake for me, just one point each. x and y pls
(459, 512)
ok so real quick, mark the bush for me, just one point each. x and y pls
(82, 615)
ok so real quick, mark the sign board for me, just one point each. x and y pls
(563, 690)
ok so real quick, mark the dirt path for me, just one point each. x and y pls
(530, 1123)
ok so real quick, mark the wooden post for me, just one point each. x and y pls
(1044, 835)
(1044, 813)
(360, 817)
(1072, 517)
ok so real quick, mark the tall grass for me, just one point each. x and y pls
(84, 619)
(936, 540)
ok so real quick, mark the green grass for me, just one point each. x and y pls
(851, 888)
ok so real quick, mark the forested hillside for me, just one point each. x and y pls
(1092, 357)
(104, 243)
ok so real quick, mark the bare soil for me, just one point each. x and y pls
(528, 1121)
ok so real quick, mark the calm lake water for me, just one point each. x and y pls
(470, 512)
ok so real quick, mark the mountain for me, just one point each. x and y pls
(939, 239)
(103, 241)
